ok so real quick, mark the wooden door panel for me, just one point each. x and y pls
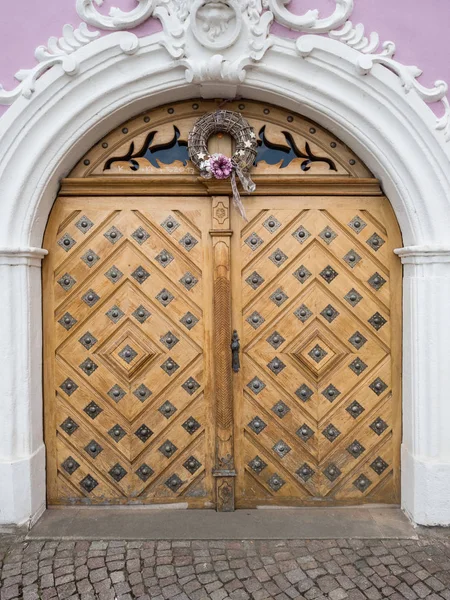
(317, 292)
(128, 391)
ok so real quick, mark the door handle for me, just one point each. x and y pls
(235, 350)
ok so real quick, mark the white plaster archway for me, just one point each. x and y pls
(44, 136)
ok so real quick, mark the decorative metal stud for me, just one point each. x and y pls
(69, 426)
(305, 472)
(168, 449)
(357, 224)
(375, 242)
(257, 465)
(84, 224)
(303, 313)
(70, 465)
(254, 241)
(379, 426)
(142, 393)
(355, 449)
(192, 465)
(117, 433)
(317, 354)
(90, 298)
(332, 472)
(167, 409)
(174, 483)
(116, 393)
(276, 365)
(352, 258)
(115, 314)
(305, 432)
(113, 235)
(67, 282)
(362, 483)
(141, 314)
(191, 425)
(93, 410)
(376, 281)
(190, 386)
(256, 385)
(379, 465)
(281, 409)
(170, 366)
(378, 386)
(329, 313)
(88, 366)
(255, 320)
(113, 274)
(377, 321)
(275, 340)
(189, 281)
(189, 320)
(164, 258)
(169, 340)
(69, 386)
(302, 274)
(357, 340)
(304, 393)
(353, 297)
(170, 224)
(89, 483)
(88, 340)
(331, 432)
(281, 448)
(272, 224)
(140, 275)
(278, 257)
(66, 242)
(301, 234)
(276, 482)
(128, 354)
(331, 393)
(358, 366)
(279, 297)
(143, 433)
(90, 258)
(140, 235)
(257, 425)
(328, 274)
(188, 242)
(144, 472)
(117, 472)
(93, 449)
(67, 321)
(355, 409)
(328, 235)
(255, 280)
(165, 297)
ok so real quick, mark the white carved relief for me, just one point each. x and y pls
(219, 40)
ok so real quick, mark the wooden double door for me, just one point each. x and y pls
(142, 405)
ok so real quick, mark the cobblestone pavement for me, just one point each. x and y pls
(315, 570)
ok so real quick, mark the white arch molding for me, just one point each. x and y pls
(44, 135)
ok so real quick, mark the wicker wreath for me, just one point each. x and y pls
(220, 166)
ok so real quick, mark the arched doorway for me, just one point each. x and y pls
(134, 351)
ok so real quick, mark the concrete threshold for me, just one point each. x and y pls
(268, 524)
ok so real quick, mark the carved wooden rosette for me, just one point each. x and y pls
(224, 461)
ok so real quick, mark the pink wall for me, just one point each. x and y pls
(419, 28)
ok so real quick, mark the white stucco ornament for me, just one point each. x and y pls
(220, 40)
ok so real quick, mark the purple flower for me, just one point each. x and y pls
(221, 166)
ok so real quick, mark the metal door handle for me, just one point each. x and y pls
(235, 350)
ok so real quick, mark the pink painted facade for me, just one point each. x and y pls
(419, 29)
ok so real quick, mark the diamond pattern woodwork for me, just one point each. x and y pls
(129, 422)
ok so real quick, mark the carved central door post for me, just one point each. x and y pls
(224, 471)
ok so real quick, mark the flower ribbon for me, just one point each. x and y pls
(247, 184)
